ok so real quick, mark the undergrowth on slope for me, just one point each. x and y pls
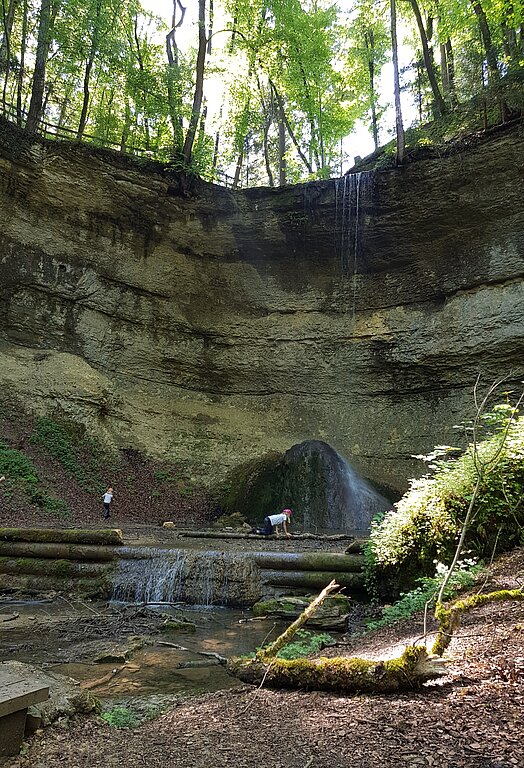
(424, 526)
(21, 474)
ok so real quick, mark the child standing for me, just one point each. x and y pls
(108, 498)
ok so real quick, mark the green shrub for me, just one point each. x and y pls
(305, 644)
(80, 455)
(120, 717)
(425, 594)
(22, 473)
(425, 524)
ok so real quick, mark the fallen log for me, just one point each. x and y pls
(58, 551)
(309, 561)
(449, 616)
(312, 579)
(343, 675)
(53, 568)
(61, 535)
(238, 535)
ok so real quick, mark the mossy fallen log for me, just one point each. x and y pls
(63, 535)
(90, 552)
(100, 587)
(449, 616)
(309, 561)
(53, 568)
(312, 579)
(343, 675)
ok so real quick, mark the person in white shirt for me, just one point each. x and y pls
(108, 498)
(271, 523)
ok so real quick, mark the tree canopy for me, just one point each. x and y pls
(266, 91)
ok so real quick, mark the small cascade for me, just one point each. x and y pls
(352, 191)
(149, 575)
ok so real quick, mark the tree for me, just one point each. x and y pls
(48, 11)
(396, 85)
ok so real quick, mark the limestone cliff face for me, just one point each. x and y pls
(210, 326)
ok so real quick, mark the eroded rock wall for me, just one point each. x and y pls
(211, 326)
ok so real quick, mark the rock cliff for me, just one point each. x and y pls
(213, 326)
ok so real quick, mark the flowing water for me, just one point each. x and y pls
(154, 576)
(352, 192)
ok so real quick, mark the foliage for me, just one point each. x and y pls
(79, 455)
(425, 524)
(120, 717)
(21, 473)
(425, 594)
(294, 76)
(305, 644)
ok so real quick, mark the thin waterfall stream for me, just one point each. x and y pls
(352, 192)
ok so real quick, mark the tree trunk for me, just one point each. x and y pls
(396, 81)
(238, 168)
(369, 41)
(450, 60)
(439, 104)
(489, 48)
(199, 84)
(281, 146)
(172, 80)
(5, 45)
(89, 66)
(282, 113)
(48, 10)
(20, 83)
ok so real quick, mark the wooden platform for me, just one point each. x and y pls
(17, 693)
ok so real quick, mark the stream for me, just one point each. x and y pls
(65, 636)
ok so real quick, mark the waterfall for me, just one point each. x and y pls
(153, 575)
(351, 191)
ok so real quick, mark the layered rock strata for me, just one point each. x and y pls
(212, 326)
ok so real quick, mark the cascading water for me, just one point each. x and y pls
(328, 493)
(150, 575)
(352, 191)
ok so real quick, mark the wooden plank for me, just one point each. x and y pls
(19, 693)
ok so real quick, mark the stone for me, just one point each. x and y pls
(332, 614)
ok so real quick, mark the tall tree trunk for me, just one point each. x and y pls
(126, 127)
(5, 44)
(93, 48)
(282, 112)
(450, 60)
(173, 78)
(210, 28)
(199, 84)
(369, 41)
(282, 164)
(396, 86)
(21, 72)
(238, 168)
(487, 40)
(8, 17)
(48, 10)
(439, 103)
(491, 56)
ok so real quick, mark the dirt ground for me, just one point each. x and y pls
(472, 718)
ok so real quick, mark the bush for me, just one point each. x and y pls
(425, 594)
(22, 473)
(120, 717)
(425, 524)
(306, 643)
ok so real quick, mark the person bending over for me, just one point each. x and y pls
(272, 522)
